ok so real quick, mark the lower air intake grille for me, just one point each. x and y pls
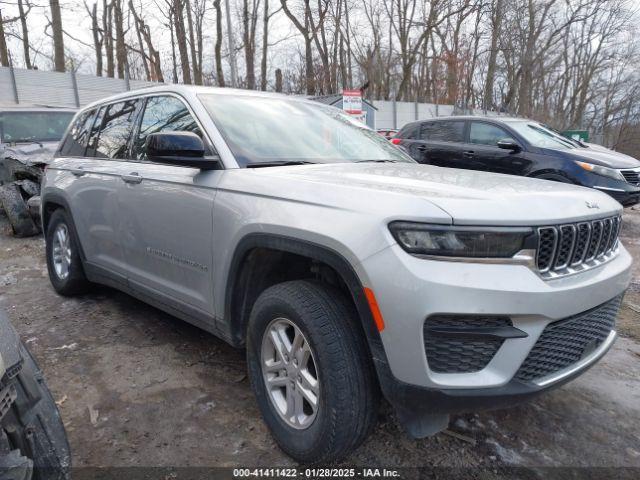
(566, 341)
(460, 354)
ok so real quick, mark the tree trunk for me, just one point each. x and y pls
(121, 47)
(487, 102)
(265, 46)
(58, 39)
(97, 41)
(181, 38)
(249, 37)
(232, 47)
(218, 48)
(4, 52)
(25, 35)
(197, 75)
(174, 63)
(107, 29)
(278, 80)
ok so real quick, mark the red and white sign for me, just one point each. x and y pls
(352, 101)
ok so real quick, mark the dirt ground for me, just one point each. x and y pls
(137, 387)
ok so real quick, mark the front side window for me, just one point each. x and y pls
(75, 143)
(443, 131)
(487, 134)
(164, 114)
(115, 132)
(26, 127)
(267, 130)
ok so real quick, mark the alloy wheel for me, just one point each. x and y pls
(290, 374)
(61, 251)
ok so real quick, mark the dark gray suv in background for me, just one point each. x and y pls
(518, 146)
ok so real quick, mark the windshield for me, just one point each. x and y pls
(21, 127)
(540, 136)
(262, 130)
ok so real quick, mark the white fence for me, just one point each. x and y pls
(36, 87)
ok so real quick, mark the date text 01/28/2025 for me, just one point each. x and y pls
(315, 473)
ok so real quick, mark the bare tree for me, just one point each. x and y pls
(218, 47)
(25, 32)
(4, 51)
(98, 37)
(58, 37)
(249, 23)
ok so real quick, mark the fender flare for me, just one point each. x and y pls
(314, 251)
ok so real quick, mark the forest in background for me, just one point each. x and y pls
(569, 63)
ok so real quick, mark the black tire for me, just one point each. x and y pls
(349, 395)
(17, 211)
(75, 283)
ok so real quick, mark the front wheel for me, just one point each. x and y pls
(309, 370)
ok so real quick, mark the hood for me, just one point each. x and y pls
(468, 197)
(30, 153)
(599, 155)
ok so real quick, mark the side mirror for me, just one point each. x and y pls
(184, 149)
(509, 144)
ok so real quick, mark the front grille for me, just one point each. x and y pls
(574, 246)
(457, 353)
(564, 342)
(631, 176)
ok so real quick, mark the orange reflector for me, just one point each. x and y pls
(375, 310)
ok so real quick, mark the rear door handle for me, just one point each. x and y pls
(78, 172)
(133, 177)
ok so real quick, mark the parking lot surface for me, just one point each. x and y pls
(137, 387)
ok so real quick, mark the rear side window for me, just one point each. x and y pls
(163, 114)
(444, 131)
(75, 142)
(115, 131)
(486, 134)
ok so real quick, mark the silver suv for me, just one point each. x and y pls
(344, 268)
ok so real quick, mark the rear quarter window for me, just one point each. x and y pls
(75, 143)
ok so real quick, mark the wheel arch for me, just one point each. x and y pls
(52, 201)
(238, 306)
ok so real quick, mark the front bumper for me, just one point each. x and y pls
(410, 289)
(625, 196)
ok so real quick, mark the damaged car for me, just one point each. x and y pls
(33, 441)
(28, 139)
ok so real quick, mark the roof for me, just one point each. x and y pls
(495, 118)
(335, 98)
(188, 90)
(36, 108)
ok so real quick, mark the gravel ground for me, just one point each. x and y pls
(137, 387)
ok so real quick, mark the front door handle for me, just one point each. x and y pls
(422, 148)
(468, 154)
(78, 172)
(133, 177)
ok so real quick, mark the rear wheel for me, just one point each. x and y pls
(63, 256)
(310, 371)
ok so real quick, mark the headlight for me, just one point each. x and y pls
(600, 170)
(475, 242)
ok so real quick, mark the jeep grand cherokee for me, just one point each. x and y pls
(341, 265)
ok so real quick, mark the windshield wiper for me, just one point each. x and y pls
(279, 164)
